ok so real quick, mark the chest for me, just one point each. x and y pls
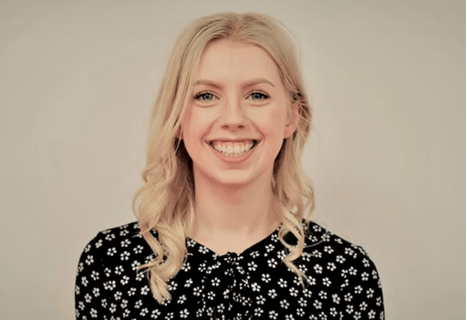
(256, 286)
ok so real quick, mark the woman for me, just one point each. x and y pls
(221, 232)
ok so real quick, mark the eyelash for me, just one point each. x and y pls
(197, 96)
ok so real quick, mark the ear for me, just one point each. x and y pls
(179, 133)
(291, 125)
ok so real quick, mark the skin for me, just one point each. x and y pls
(234, 203)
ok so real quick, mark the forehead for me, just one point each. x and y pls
(226, 61)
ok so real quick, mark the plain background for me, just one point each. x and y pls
(387, 152)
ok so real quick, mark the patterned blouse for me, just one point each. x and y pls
(256, 284)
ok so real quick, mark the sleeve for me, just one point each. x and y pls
(90, 301)
(361, 290)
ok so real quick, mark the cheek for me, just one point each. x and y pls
(271, 123)
(191, 123)
(194, 127)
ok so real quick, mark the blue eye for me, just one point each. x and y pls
(259, 95)
(203, 94)
(206, 95)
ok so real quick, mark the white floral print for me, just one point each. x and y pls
(342, 281)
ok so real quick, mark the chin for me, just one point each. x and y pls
(233, 179)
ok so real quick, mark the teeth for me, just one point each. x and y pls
(233, 149)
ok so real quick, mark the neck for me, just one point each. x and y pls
(225, 212)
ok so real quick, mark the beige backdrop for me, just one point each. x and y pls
(387, 154)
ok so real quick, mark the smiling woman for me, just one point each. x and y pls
(222, 230)
(233, 121)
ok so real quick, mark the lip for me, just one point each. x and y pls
(238, 159)
(233, 140)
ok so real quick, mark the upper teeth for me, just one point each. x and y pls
(232, 147)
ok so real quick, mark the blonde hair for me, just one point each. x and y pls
(165, 202)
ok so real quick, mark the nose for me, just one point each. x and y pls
(233, 115)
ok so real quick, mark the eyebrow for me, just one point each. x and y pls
(245, 85)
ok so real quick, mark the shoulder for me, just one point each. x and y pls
(320, 237)
(119, 243)
(120, 233)
(111, 236)
(350, 265)
(336, 251)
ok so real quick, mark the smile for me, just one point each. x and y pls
(233, 149)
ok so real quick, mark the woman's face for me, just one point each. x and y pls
(238, 100)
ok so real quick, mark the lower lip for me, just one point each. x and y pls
(241, 158)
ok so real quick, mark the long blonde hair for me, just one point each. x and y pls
(166, 200)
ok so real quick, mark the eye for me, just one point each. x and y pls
(204, 94)
(258, 95)
(207, 96)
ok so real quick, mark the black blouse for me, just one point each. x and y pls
(256, 284)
